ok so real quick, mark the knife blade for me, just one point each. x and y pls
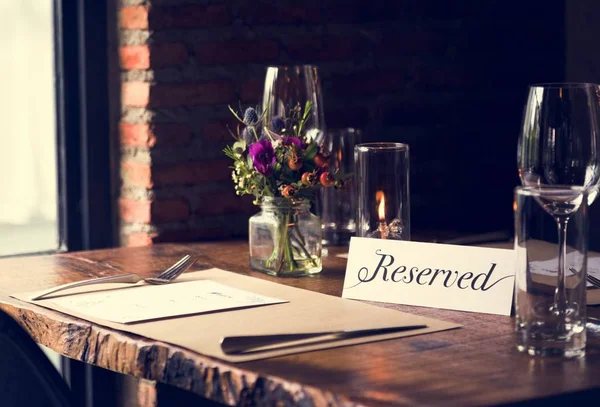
(245, 344)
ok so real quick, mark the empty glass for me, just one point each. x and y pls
(337, 207)
(550, 304)
(382, 171)
(287, 86)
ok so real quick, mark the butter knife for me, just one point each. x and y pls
(239, 345)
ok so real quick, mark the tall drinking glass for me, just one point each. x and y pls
(337, 207)
(558, 146)
(287, 86)
(383, 191)
(550, 308)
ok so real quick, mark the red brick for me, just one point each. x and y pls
(163, 55)
(413, 43)
(156, 56)
(169, 210)
(237, 52)
(260, 12)
(191, 235)
(134, 18)
(166, 134)
(368, 82)
(171, 134)
(225, 203)
(219, 130)
(135, 57)
(448, 76)
(190, 94)
(136, 135)
(252, 90)
(348, 117)
(188, 16)
(332, 48)
(192, 172)
(373, 10)
(139, 239)
(136, 174)
(133, 211)
(135, 94)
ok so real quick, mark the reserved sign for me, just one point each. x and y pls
(463, 278)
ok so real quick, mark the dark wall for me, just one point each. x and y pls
(447, 77)
(450, 79)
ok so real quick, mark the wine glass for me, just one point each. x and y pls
(287, 86)
(558, 147)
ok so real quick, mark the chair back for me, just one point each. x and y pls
(27, 377)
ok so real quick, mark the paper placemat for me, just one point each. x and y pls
(306, 311)
(147, 302)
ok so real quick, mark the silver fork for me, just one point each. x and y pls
(593, 281)
(165, 277)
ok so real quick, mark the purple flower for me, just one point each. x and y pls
(294, 140)
(263, 156)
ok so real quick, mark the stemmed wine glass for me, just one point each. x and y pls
(287, 86)
(558, 148)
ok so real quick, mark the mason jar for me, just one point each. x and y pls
(285, 238)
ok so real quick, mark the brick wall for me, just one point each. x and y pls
(448, 78)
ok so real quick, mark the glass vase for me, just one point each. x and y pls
(285, 238)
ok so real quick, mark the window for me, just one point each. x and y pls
(28, 170)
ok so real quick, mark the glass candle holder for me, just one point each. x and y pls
(383, 193)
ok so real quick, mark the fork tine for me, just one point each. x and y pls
(174, 266)
(179, 269)
(590, 277)
(594, 281)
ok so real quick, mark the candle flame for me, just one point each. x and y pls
(380, 197)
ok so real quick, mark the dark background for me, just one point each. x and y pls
(447, 77)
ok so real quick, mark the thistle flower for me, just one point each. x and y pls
(250, 117)
(277, 124)
(247, 135)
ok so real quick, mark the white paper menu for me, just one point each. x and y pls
(148, 302)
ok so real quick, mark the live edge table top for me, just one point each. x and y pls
(475, 365)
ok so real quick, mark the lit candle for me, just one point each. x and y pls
(380, 197)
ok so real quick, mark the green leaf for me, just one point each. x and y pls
(310, 151)
(307, 109)
(249, 162)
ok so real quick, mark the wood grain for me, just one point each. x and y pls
(471, 366)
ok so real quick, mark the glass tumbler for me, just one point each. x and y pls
(551, 240)
(337, 206)
(382, 172)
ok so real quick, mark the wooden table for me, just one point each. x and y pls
(476, 365)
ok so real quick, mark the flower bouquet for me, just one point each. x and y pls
(282, 168)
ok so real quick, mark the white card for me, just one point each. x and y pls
(148, 302)
(465, 278)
